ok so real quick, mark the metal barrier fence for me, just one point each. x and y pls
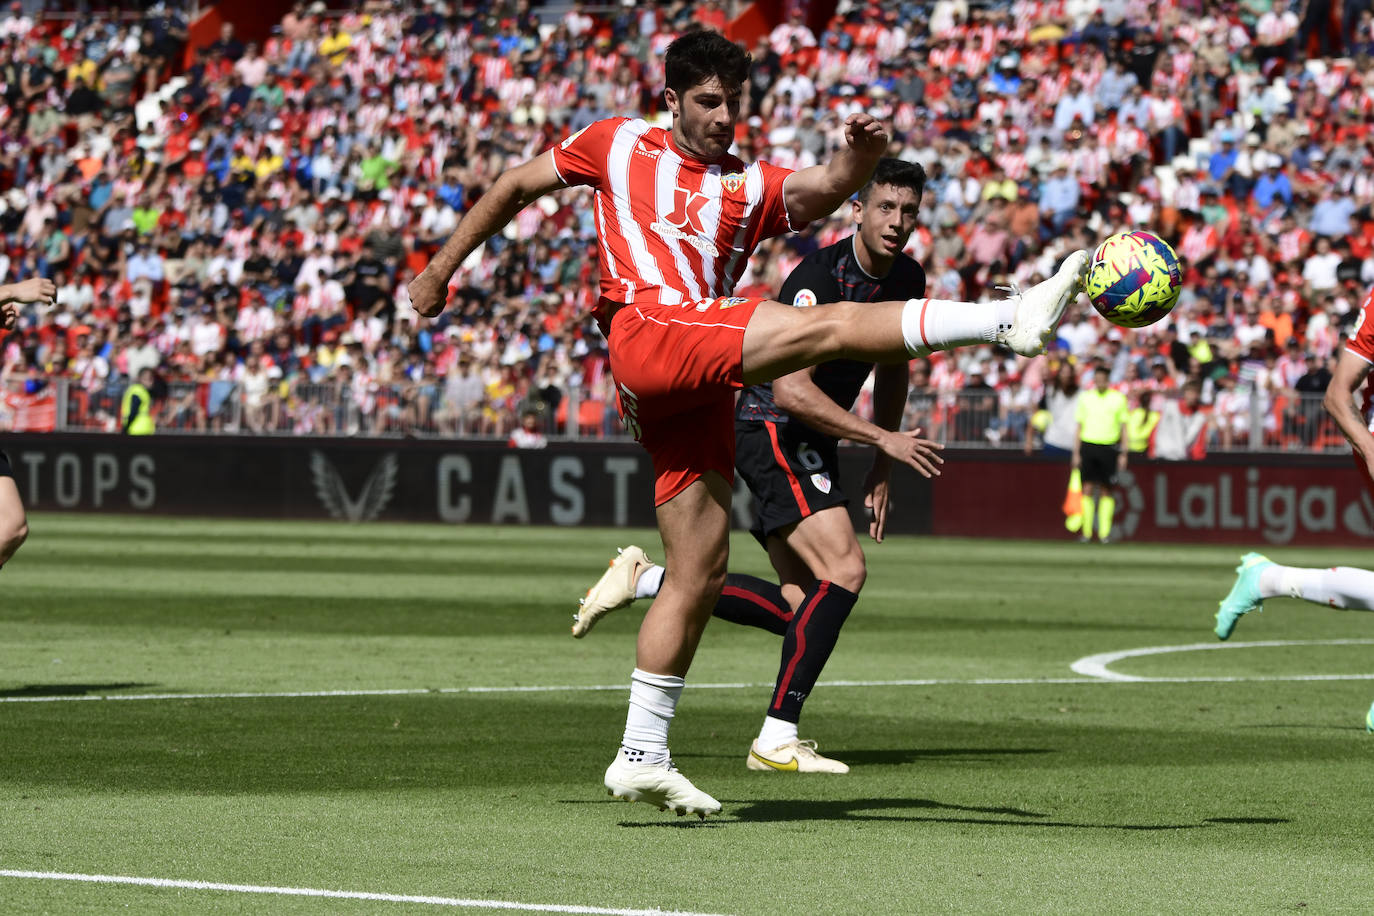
(1242, 422)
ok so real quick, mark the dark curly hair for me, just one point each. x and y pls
(697, 56)
(895, 173)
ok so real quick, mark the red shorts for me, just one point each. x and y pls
(676, 369)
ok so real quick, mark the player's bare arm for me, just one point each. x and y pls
(798, 395)
(512, 192)
(890, 383)
(818, 191)
(1351, 372)
(34, 289)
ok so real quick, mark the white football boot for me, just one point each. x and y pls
(615, 589)
(793, 757)
(1039, 308)
(658, 784)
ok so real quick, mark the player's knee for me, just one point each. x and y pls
(12, 536)
(849, 572)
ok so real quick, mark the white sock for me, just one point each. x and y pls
(653, 700)
(943, 324)
(776, 732)
(1340, 587)
(650, 581)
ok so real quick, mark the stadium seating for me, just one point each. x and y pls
(280, 197)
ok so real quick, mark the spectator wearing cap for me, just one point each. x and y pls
(1221, 164)
(1272, 184)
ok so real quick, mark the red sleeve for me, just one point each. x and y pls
(581, 159)
(773, 218)
(1361, 340)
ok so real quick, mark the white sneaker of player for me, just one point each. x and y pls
(615, 589)
(792, 757)
(658, 784)
(1040, 307)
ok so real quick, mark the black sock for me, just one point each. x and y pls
(754, 603)
(807, 645)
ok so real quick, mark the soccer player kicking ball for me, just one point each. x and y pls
(677, 218)
(786, 434)
(14, 527)
(1341, 587)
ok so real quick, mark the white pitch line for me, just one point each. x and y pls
(342, 895)
(1095, 666)
(1110, 677)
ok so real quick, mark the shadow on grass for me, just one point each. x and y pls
(68, 690)
(902, 756)
(877, 809)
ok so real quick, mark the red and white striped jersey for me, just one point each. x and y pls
(672, 229)
(1361, 343)
(1199, 242)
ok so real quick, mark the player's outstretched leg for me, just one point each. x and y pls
(630, 572)
(1341, 587)
(780, 339)
(1244, 596)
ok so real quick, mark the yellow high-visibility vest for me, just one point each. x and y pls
(1140, 424)
(142, 424)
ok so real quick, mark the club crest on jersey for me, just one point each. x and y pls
(684, 223)
(821, 482)
(804, 299)
(732, 182)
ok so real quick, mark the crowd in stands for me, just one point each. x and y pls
(246, 224)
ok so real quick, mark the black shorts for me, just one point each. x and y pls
(1099, 463)
(5, 469)
(793, 472)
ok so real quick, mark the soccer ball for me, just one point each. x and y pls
(1134, 279)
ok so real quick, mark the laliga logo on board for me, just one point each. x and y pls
(330, 489)
(1272, 511)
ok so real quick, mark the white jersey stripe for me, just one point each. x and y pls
(711, 216)
(618, 174)
(602, 233)
(667, 175)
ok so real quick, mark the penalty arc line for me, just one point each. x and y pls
(341, 895)
(1095, 666)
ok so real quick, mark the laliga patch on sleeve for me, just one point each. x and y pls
(569, 142)
(804, 299)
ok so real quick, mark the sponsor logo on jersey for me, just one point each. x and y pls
(804, 299)
(821, 482)
(684, 223)
(642, 149)
(732, 182)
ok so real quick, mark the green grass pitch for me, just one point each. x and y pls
(1055, 794)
